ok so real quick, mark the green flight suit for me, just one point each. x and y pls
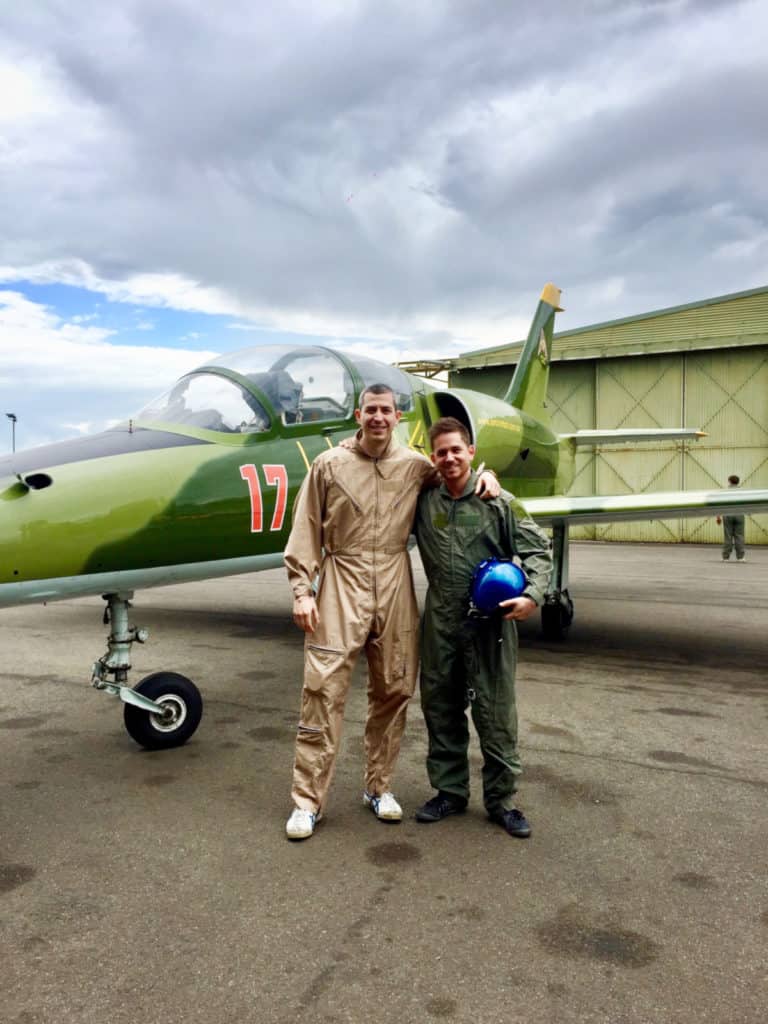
(733, 537)
(472, 659)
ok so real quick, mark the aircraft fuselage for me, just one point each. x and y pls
(152, 495)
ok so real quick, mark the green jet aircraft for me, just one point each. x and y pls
(201, 484)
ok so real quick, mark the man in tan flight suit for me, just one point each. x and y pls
(351, 524)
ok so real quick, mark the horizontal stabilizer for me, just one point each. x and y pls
(608, 508)
(634, 436)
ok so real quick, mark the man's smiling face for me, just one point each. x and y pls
(378, 416)
(452, 457)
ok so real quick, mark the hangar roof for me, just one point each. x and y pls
(726, 321)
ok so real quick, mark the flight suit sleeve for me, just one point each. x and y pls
(304, 550)
(531, 545)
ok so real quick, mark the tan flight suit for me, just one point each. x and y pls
(351, 522)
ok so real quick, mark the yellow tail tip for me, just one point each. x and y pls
(551, 295)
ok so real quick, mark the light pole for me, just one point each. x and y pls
(12, 417)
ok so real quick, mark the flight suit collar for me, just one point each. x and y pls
(469, 488)
(388, 451)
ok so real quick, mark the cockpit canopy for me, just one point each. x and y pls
(293, 385)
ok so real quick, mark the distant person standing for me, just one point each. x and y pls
(733, 530)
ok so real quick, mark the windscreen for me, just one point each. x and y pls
(304, 385)
(210, 402)
(379, 373)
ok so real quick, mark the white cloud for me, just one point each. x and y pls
(85, 427)
(174, 292)
(24, 93)
(25, 325)
(53, 371)
(44, 352)
(408, 175)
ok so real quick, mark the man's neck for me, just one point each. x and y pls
(374, 448)
(456, 487)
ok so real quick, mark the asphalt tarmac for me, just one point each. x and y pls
(159, 887)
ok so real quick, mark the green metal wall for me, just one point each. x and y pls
(722, 391)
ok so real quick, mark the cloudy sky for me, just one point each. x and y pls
(180, 178)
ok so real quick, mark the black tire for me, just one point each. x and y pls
(556, 620)
(184, 706)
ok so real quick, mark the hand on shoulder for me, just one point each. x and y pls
(487, 485)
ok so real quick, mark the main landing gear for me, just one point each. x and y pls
(557, 610)
(161, 711)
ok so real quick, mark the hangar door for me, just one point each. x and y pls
(727, 393)
(724, 392)
(571, 400)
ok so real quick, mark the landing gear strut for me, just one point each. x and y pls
(557, 610)
(161, 711)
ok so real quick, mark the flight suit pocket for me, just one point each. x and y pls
(352, 498)
(320, 664)
(471, 527)
(404, 661)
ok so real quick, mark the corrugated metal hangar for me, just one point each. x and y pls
(701, 365)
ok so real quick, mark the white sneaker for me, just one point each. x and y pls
(301, 823)
(385, 807)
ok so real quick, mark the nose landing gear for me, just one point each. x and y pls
(180, 708)
(161, 711)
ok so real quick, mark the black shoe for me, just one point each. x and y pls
(513, 822)
(440, 807)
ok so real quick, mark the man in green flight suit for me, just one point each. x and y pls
(733, 530)
(472, 659)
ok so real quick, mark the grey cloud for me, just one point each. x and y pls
(351, 162)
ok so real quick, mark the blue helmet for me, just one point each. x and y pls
(494, 581)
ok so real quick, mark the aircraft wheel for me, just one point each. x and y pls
(182, 711)
(556, 619)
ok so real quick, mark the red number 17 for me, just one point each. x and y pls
(273, 476)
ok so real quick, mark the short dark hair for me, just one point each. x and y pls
(378, 389)
(733, 479)
(449, 425)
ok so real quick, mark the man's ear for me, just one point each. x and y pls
(357, 415)
(472, 450)
(432, 457)
(398, 415)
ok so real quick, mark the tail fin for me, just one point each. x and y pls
(528, 389)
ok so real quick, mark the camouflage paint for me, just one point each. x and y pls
(191, 498)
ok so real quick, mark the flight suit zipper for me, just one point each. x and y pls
(452, 543)
(375, 533)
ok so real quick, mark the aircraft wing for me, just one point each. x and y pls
(606, 508)
(633, 435)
